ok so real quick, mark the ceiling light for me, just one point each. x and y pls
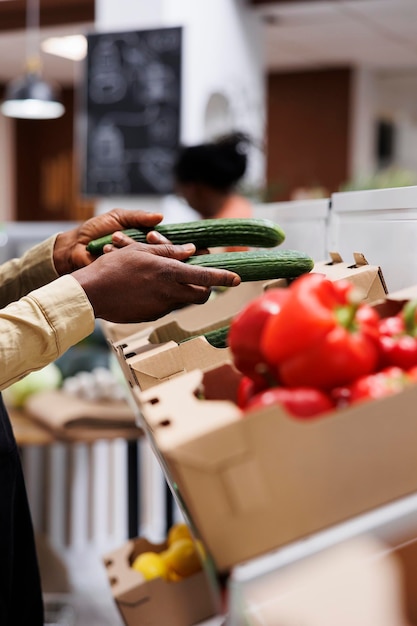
(29, 96)
(73, 47)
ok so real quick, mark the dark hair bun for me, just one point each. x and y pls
(220, 164)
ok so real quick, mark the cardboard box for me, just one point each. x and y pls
(154, 352)
(221, 304)
(368, 278)
(252, 485)
(156, 602)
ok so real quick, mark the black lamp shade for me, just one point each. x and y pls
(31, 97)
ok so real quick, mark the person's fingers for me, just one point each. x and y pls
(206, 276)
(191, 274)
(155, 237)
(179, 252)
(193, 294)
(130, 219)
(120, 240)
(200, 251)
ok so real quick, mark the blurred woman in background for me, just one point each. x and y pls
(206, 176)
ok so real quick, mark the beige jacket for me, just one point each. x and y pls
(42, 315)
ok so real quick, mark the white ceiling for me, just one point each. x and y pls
(375, 33)
(381, 34)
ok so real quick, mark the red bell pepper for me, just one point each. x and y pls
(384, 383)
(245, 334)
(306, 315)
(322, 337)
(398, 338)
(300, 401)
(247, 389)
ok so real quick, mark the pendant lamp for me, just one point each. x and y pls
(29, 96)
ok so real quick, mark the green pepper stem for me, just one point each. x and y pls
(345, 315)
(409, 317)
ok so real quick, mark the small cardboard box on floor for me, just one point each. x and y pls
(156, 352)
(255, 483)
(155, 602)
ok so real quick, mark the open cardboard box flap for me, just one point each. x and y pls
(171, 359)
(367, 278)
(284, 477)
(394, 302)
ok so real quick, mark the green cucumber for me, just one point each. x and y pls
(217, 337)
(258, 264)
(252, 232)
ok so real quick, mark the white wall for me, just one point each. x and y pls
(388, 95)
(397, 101)
(362, 107)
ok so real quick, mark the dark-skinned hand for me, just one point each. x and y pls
(70, 247)
(142, 282)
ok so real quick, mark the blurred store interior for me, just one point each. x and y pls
(327, 89)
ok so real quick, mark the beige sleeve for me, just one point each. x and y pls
(41, 326)
(34, 269)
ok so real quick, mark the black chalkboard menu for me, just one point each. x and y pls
(132, 96)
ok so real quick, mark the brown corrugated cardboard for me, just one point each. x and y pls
(368, 278)
(171, 359)
(256, 483)
(155, 602)
(148, 339)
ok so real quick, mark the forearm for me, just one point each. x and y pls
(41, 326)
(34, 269)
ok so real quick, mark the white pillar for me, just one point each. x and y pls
(7, 174)
(363, 118)
(222, 63)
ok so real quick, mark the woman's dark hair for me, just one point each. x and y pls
(220, 164)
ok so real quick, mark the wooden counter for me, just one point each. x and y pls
(27, 432)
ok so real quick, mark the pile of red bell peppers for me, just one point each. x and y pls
(315, 346)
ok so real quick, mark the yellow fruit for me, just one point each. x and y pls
(178, 531)
(173, 576)
(151, 565)
(182, 557)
